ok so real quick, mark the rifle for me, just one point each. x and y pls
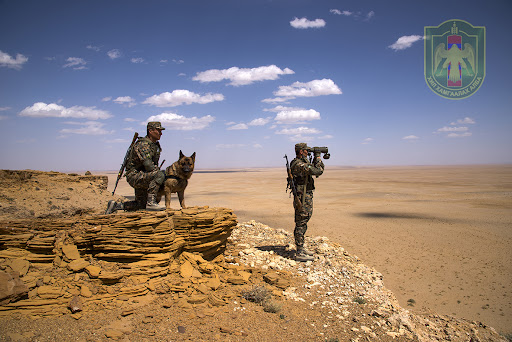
(125, 161)
(291, 185)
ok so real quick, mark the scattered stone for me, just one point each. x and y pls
(77, 265)
(12, 288)
(93, 271)
(75, 305)
(181, 329)
(71, 252)
(20, 265)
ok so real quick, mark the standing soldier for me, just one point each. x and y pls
(143, 172)
(302, 171)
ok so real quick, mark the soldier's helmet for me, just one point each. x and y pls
(155, 125)
(301, 146)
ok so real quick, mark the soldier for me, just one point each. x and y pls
(143, 173)
(302, 171)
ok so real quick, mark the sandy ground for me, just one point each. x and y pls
(441, 236)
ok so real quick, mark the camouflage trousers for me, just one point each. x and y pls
(301, 219)
(144, 183)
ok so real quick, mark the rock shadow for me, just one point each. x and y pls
(279, 250)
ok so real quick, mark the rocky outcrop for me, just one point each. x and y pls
(105, 256)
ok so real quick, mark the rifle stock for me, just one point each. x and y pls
(291, 185)
(125, 161)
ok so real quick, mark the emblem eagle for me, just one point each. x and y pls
(455, 57)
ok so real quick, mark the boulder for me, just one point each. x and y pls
(12, 288)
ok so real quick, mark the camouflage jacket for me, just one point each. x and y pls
(303, 172)
(143, 149)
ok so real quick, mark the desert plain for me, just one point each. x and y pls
(440, 235)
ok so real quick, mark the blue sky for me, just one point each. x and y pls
(240, 82)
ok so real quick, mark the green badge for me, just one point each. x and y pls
(454, 58)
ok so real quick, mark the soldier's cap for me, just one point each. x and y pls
(301, 146)
(155, 125)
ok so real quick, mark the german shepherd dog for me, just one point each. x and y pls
(176, 179)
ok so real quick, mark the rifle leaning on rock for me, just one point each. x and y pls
(291, 185)
(125, 161)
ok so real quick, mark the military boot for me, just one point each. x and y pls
(307, 251)
(114, 206)
(153, 204)
(301, 255)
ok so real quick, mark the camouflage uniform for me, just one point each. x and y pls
(302, 171)
(144, 153)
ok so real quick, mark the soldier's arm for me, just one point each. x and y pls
(144, 153)
(317, 168)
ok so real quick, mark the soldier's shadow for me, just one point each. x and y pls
(279, 250)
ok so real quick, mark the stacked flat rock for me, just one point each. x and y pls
(109, 251)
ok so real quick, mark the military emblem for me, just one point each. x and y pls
(454, 58)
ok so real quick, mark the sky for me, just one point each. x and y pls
(241, 82)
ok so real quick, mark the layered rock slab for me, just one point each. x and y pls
(107, 255)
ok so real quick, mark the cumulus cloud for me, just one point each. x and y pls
(453, 129)
(114, 53)
(76, 63)
(313, 88)
(125, 100)
(459, 135)
(92, 47)
(304, 23)
(370, 15)
(106, 99)
(465, 121)
(356, 15)
(179, 122)
(6, 60)
(238, 126)
(53, 110)
(242, 76)
(280, 108)
(260, 121)
(87, 128)
(296, 116)
(368, 141)
(410, 137)
(137, 60)
(405, 42)
(181, 96)
(298, 131)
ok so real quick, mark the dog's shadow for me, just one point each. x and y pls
(279, 250)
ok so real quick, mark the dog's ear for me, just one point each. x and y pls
(193, 156)
(181, 155)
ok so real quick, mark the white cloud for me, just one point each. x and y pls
(114, 53)
(304, 23)
(53, 110)
(179, 122)
(92, 47)
(125, 100)
(405, 42)
(278, 100)
(309, 89)
(130, 120)
(178, 61)
(238, 126)
(257, 146)
(296, 116)
(4, 108)
(465, 121)
(260, 121)
(14, 63)
(453, 129)
(242, 76)
(370, 15)
(76, 63)
(368, 141)
(327, 136)
(459, 135)
(410, 137)
(88, 128)
(137, 60)
(280, 108)
(106, 99)
(298, 131)
(181, 96)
